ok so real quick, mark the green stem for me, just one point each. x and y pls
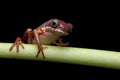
(92, 57)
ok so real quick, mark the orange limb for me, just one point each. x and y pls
(18, 42)
(29, 35)
(40, 48)
(61, 43)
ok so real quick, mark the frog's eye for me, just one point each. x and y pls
(54, 23)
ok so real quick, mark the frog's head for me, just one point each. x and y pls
(57, 27)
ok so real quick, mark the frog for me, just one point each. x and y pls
(50, 32)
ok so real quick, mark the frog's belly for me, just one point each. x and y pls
(47, 38)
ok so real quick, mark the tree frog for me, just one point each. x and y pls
(45, 34)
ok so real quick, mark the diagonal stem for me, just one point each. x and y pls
(84, 56)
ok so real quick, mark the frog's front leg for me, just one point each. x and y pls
(29, 35)
(61, 42)
(40, 48)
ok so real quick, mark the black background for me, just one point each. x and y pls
(96, 26)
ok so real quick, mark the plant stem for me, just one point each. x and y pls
(84, 56)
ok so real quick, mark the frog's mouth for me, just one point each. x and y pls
(56, 31)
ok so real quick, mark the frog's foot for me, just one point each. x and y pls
(61, 43)
(18, 42)
(40, 49)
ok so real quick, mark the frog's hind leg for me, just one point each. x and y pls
(18, 42)
(28, 35)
